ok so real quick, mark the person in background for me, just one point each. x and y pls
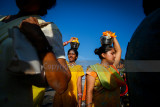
(121, 68)
(142, 59)
(15, 84)
(72, 97)
(124, 96)
(103, 80)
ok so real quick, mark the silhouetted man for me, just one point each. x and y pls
(142, 59)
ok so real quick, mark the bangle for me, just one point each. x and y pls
(66, 42)
(79, 94)
(80, 98)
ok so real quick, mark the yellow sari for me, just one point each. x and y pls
(38, 95)
(69, 97)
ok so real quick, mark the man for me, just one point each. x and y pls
(142, 65)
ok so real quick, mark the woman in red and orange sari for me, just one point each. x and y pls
(103, 80)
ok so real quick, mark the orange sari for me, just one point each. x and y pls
(108, 96)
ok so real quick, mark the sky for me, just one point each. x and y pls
(87, 19)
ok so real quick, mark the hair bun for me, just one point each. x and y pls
(96, 51)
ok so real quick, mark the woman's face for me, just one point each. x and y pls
(72, 56)
(109, 56)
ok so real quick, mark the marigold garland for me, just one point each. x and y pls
(109, 33)
(75, 40)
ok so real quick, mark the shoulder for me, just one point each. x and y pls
(92, 67)
(79, 70)
(54, 26)
(45, 24)
(79, 66)
(91, 72)
(2, 17)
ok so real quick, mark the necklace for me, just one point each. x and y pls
(71, 65)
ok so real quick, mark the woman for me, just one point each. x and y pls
(69, 97)
(16, 86)
(102, 80)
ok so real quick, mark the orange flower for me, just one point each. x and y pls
(109, 33)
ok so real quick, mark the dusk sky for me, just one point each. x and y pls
(87, 19)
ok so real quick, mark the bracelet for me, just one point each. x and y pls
(79, 94)
(80, 98)
(66, 42)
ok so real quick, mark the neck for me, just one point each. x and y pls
(72, 62)
(105, 63)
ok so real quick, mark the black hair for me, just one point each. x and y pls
(102, 49)
(150, 6)
(44, 5)
(75, 51)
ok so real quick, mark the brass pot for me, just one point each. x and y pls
(106, 40)
(74, 45)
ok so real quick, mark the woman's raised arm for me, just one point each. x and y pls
(118, 52)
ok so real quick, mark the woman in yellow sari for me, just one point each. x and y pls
(73, 95)
(103, 80)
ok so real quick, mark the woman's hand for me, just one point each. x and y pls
(65, 43)
(72, 38)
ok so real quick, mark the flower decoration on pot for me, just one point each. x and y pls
(75, 43)
(107, 38)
